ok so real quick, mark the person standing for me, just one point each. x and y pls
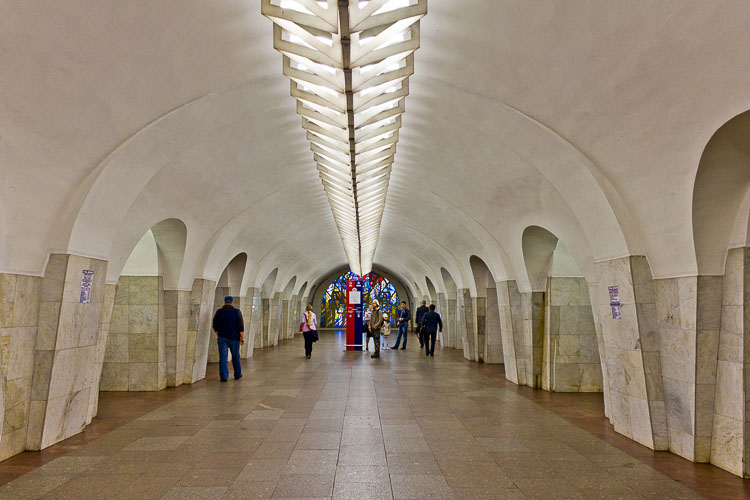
(386, 331)
(376, 323)
(230, 335)
(368, 334)
(430, 323)
(402, 319)
(309, 329)
(421, 310)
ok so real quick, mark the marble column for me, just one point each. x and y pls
(632, 355)
(493, 340)
(570, 352)
(274, 320)
(450, 321)
(467, 323)
(110, 291)
(730, 427)
(512, 331)
(20, 312)
(135, 358)
(255, 320)
(265, 322)
(65, 347)
(480, 318)
(532, 310)
(176, 319)
(199, 329)
(285, 320)
(442, 305)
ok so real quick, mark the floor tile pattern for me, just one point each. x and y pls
(342, 425)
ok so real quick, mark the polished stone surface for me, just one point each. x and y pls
(342, 425)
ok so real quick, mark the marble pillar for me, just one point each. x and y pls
(480, 319)
(199, 329)
(532, 311)
(512, 331)
(632, 352)
(135, 357)
(19, 317)
(176, 320)
(493, 340)
(467, 323)
(65, 347)
(274, 320)
(285, 335)
(570, 352)
(110, 291)
(265, 321)
(255, 328)
(442, 305)
(729, 437)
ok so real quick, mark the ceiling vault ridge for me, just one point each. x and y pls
(349, 63)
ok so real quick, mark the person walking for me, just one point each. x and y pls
(376, 323)
(402, 319)
(430, 323)
(309, 329)
(368, 334)
(421, 310)
(386, 332)
(230, 335)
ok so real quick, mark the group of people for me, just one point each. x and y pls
(427, 325)
(230, 331)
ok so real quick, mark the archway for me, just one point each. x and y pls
(560, 346)
(487, 340)
(721, 232)
(144, 353)
(449, 311)
(230, 285)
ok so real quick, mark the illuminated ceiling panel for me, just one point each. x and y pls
(349, 64)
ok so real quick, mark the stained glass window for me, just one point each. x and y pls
(374, 286)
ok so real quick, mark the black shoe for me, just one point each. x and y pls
(403, 348)
(376, 355)
(237, 378)
(308, 356)
(421, 346)
(223, 380)
(432, 354)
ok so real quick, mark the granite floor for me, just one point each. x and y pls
(342, 425)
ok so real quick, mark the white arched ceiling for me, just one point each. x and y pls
(450, 284)
(268, 284)
(144, 259)
(289, 288)
(233, 273)
(555, 114)
(431, 288)
(721, 190)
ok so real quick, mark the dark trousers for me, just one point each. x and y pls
(375, 340)
(403, 331)
(308, 343)
(420, 337)
(429, 342)
(233, 346)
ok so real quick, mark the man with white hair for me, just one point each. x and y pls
(376, 323)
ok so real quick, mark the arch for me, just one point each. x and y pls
(289, 288)
(159, 252)
(233, 274)
(450, 284)
(538, 247)
(483, 278)
(267, 289)
(720, 195)
(431, 288)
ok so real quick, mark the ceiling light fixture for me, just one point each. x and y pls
(349, 63)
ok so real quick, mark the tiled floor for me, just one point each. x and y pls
(343, 425)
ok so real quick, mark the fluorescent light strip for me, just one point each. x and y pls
(349, 67)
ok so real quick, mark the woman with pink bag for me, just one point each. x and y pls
(309, 329)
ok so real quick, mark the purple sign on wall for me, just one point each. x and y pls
(87, 279)
(614, 302)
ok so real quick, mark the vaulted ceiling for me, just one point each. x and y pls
(588, 119)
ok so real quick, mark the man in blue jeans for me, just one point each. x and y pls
(402, 320)
(230, 330)
(430, 323)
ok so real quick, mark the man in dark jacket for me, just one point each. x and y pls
(230, 330)
(430, 323)
(421, 310)
(376, 323)
(402, 320)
